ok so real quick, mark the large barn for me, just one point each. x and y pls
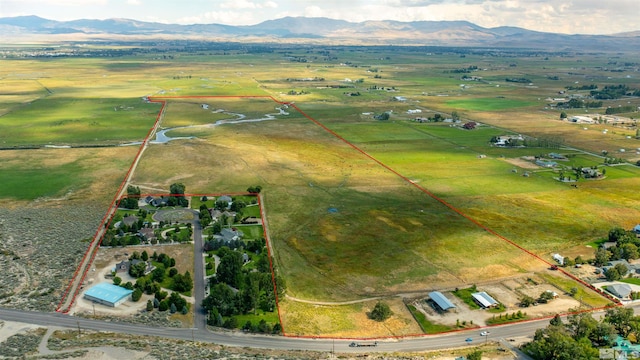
(107, 294)
(441, 301)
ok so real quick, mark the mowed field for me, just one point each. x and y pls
(343, 227)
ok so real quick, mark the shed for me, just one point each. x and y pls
(441, 301)
(485, 300)
(107, 294)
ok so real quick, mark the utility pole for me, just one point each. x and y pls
(78, 328)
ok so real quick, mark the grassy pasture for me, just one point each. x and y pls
(386, 236)
(76, 121)
(69, 173)
(302, 180)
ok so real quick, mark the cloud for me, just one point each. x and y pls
(247, 4)
(220, 17)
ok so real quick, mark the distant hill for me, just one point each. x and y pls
(330, 31)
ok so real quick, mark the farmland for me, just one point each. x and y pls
(344, 225)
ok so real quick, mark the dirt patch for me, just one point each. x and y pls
(521, 163)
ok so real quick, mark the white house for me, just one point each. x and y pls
(559, 258)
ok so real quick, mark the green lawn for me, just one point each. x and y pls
(427, 326)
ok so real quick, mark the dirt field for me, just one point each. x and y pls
(522, 163)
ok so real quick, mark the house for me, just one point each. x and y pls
(129, 220)
(636, 229)
(414, 111)
(125, 265)
(231, 234)
(582, 120)
(622, 291)
(147, 234)
(485, 300)
(631, 269)
(225, 198)
(557, 156)
(122, 266)
(589, 173)
(441, 301)
(217, 214)
(159, 201)
(470, 125)
(546, 164)
(559, 258)
(504, 140)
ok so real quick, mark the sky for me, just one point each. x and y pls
(559, 16)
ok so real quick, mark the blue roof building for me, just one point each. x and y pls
(107, 294)
(441, 301)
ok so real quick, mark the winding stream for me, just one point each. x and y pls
(237, 118)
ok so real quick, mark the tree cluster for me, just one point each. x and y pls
(131, 201)
(581, 335)
(177, 197)
(626, 247)
(611, 92)
(236, 290)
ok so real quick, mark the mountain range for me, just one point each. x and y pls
(324, 30)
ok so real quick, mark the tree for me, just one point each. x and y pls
(136, 295)
(563, 115)
(149, 305)
(254, 189)
(527, 301)
(621, 318)
(173, 308)
(173, 272)
(380, 312)
(117, 280)
(581, 325)
(545, 296)
(144, 256)
(158, 274)
(230, 268)
(556, 321)
(182, 283)
(476, 355)
(612, 274)
(629, 251)
(164, 305)
(602, 257)
(138, 269)
(221, 298)
(177, 195)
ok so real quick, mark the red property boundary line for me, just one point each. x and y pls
(163, 101)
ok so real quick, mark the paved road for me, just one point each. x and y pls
(275, 342)
(199, 282)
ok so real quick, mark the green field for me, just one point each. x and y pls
(344, 224)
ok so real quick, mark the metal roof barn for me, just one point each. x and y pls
(107, 294)
(440, 300)
(484, 299)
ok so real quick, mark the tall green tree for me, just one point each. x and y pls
(380, 312)
(230, 269)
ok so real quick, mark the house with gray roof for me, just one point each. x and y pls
(622, 291)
